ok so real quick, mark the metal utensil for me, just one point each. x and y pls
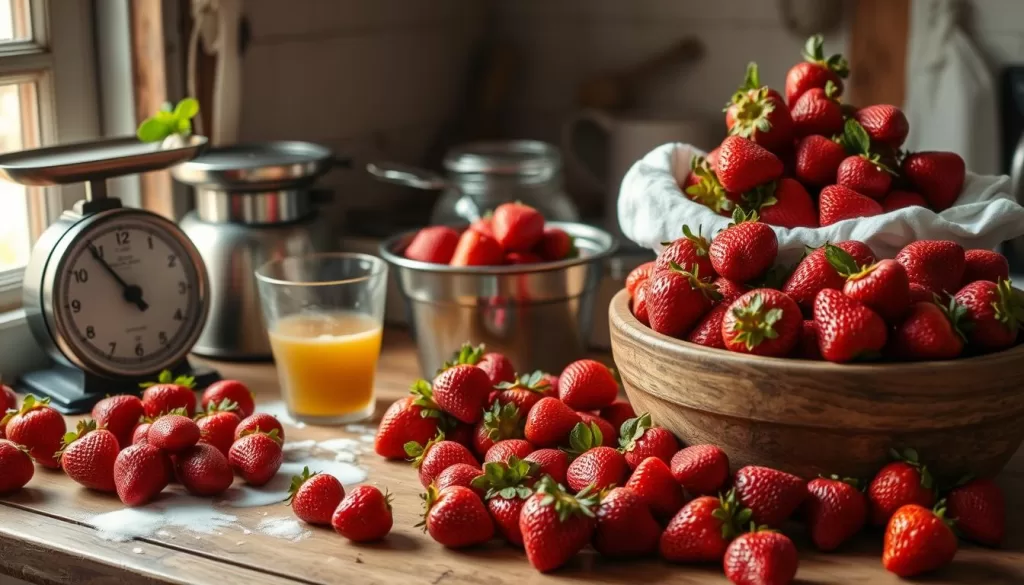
(258, 167)
(539, 315)
(417, 178)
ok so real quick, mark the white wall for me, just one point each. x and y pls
(998, 28)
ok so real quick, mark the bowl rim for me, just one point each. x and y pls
(620, 317)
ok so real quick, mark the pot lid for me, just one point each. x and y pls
(261, 166)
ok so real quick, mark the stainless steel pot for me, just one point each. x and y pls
(539, 315)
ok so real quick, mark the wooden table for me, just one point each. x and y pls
(44, 536)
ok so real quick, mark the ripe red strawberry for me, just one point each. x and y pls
(8, 399)
(920, 294)
(993, 311)
(549, 422)
(771, 495)
(762, 322)
(917, 540)
(807, 347)
(743, 165)
(38, 428)
(587, 385)
(702, 470)
(639, 304)
(506, 487)
(701, 531)
(555, 524)
(500, 422)
(234, 391)
(484, 225)
(817, 111)
(743, 251)
(688, 251)
(141, 431)
(708, 331)
(168, 393)
(938, 176)
(413, 418)
(555, 245)
(640, 439)
(885, 124)
(455, 517)
(609, 434)
(676, 300)
(497, 367)
(652, 480)
(979, 509)
(846, 328)
(315, 496)
(503, 450)
(512, 258)
(818, 159)
(119, 415)
(553, 462)
(173, 433)
(864, 176)
(985, 265)
(477, 249)
(17, 466)
(826, 267)
(140, 473)
(459, 474)
(937, 265)
(904, 481)
(517, 227)
(601, 466)
(899, 199)
(434, 244)
(883, 287)
(784, 203)
(217, 425)
(764, 557)
(729, 289)
(364, 515)
(816, 71)
(931, 332)
(758, 113)
(436, 456)
(837, 203)
(203, 470)
(625, 526)
(524, 392)
(257, 457)
(835, 510)
(639, 275)
(462, 391)
(87, 456)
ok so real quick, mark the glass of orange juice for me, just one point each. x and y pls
(324, 314)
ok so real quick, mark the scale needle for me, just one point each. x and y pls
(131, 293)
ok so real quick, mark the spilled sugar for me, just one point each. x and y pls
(284, 527)
(174, 509)
(279, 410)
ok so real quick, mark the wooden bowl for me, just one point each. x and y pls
(810, 418)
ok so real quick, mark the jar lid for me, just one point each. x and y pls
(504, 157)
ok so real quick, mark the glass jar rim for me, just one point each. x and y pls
(378, 268)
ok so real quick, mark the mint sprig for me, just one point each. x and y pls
(169, 121)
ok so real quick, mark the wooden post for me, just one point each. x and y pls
(878, 52)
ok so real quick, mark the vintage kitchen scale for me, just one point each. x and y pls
(113, 294)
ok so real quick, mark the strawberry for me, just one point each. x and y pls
(602, 467)
(708, 331)
(315, 496)
(979, 508)
(745, 250)
(173, 433)
(503, 450)
(904, 481)
(676, 300)
(555, 524)
(835, 510)
(413, 418)
(455, 517)
(638, 276)
(17, 466)
(937, 265)
(864, 176)
(259, 421)
(37, 427)
(702, 470)
(462, 391)
(257, 457)
(8, 399)
(743, 165)
(994, 312)
(938, 176)
(555, 245)
(817, 111)
(203, 470)
(364, 515)
(217, 425)
(625, 526)
(702, 186)
(847, 329)
(920, 294)
(140, 473)
(512, 258)
(436, 456)
(506, 489)
(497, 367)
(434, 244)
(762, 322)
(549, 422)
(484, 225)
(119, 415)
(826, 267)
(552, 462)
(459, 474)
(837, 203)
(816, 71)
(168, 393)
(729, 289)
(87, 456)
(701, 531)
(232, 390)
(763, 557)
(807, 347)
(759, 114)
(688, 251)
(640, 439)
(985, 265)
(587, 385)
(140, 432)
(817, 160)
(771, 495)
(524, 392)
(652, 480)
(477, 249)
(517, 227)
(609, 435)
(639, 304)
(883, 287)
(917, 540)
(897, 199)
(784, 203)
(931, 332)
(885, 124)
(499, 423)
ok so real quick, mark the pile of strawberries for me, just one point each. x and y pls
(513, 234)
(809, 160)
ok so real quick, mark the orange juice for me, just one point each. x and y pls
(326, 364)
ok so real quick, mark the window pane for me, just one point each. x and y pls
(15, 20)
(18, 131)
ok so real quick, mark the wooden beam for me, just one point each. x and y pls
(878, 52)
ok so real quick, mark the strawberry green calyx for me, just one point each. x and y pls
(1008, 306)
(940, 513)
(503, 422)
(700, 244)
(708, 191)
(534, 382)
(814, 52)
(857, 141)
(429, 498)
(760, 197)
(957, 315)
(423, 397)
(416, 452)
(774, 278)
(732, 514)
(584, 503)
(582, 438)
(83, 428)
(863, 272)
(739, 215)
(273, 434)
(166, 377)
(507, 480)
(226, 405)
(467, 355)
(297, 481)
(853, 482)
(708, 289)
(751, 114)
(30, 403)
(755, 322)
(841, 260)
(632, 429)
(910, 457)
(751, 82)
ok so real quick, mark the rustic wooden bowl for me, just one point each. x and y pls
(809, 418)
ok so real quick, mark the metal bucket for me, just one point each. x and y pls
(539, 315)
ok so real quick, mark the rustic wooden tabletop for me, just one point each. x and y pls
(47, 533)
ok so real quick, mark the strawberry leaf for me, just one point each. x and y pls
(813, 49)
(841, 260)
(752, 80)
(857, 137)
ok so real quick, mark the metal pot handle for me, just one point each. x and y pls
(408, 176)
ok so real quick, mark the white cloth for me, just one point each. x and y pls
(652, 209)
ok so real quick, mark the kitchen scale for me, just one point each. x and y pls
(114, 295)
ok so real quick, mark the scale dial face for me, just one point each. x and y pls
(127, 297)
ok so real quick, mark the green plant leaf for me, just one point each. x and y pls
(857, 137)
(186, 108)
